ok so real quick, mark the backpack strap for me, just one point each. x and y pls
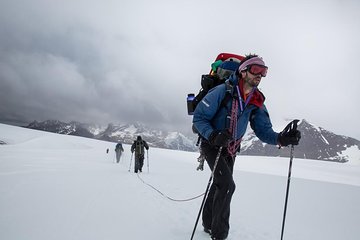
(229, 94)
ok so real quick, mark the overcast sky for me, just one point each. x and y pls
(123, 61)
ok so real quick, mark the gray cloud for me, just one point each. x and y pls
(101, 62)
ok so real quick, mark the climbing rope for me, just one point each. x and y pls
(164, 195)
(235, 144)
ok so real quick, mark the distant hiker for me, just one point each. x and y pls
(222, 126)
(107, 150)
(138, 146)
(118, 151)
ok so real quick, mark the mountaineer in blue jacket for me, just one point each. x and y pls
(221, 119)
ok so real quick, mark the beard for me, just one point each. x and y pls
(253, 82)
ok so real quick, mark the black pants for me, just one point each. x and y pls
(118, 156)
(139, 162)
(216, 212)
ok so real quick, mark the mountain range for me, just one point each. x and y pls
(316, 143)
(124, 133)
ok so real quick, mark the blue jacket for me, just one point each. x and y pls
(209, 115)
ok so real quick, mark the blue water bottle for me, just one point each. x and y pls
(190, 104)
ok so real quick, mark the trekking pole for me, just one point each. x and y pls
(147, 156)
(206, 191)
(131, 161)
(287, 191)
(291, 127)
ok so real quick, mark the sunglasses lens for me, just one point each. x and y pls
(258, 69)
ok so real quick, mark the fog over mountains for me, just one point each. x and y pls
(316, 143)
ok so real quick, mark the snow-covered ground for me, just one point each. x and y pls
(64, 187)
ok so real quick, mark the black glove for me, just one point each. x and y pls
(220, 138)
(290, 135)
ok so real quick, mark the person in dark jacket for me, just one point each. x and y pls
(139, 147)
(118, 151)
(221, 127)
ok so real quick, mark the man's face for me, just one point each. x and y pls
(252, 79)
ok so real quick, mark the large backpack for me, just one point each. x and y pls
(139, 147)
(224, 65)
(118, 146)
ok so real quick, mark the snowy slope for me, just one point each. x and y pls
(65, 187)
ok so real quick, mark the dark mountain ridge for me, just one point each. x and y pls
(316, 143)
